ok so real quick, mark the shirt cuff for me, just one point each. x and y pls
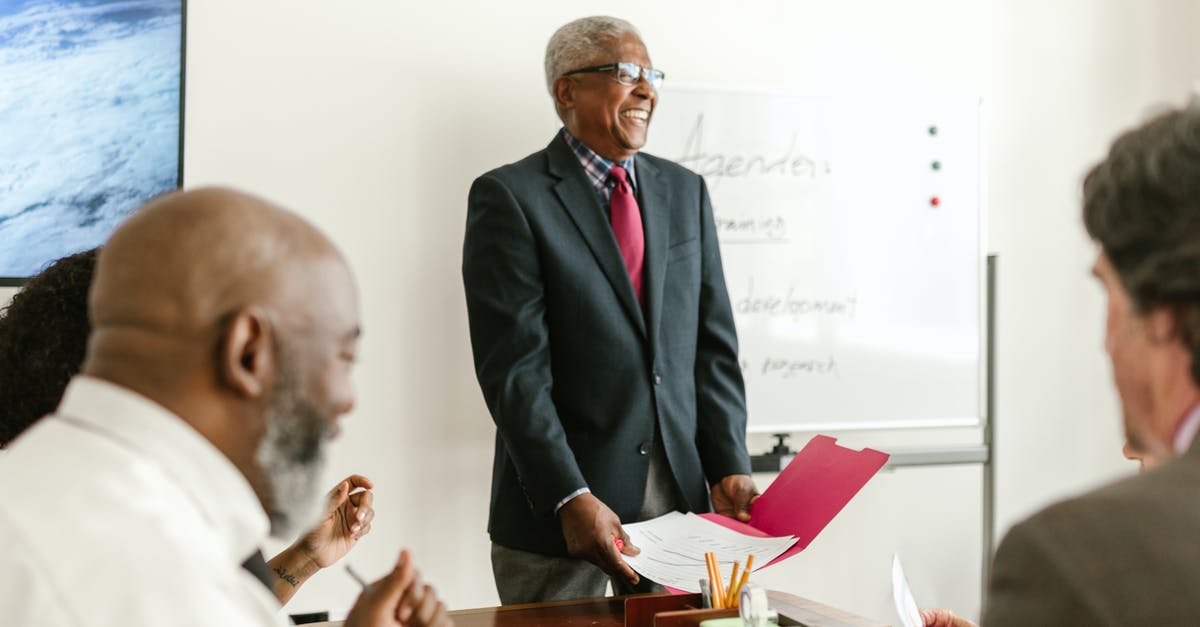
(567, 498)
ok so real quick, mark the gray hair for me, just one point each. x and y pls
(575, 42)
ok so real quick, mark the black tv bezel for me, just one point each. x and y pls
(19, 281)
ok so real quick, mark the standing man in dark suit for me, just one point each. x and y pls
(602, 333)
(1127, 554)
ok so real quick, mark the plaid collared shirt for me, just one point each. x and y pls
(598, 168)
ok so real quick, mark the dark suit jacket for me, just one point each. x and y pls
(573, 373)
(1126, 554)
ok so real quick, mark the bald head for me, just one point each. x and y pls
(186, 259)
(240, 318)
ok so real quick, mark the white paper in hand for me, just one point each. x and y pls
(906, 605)
(673, 547)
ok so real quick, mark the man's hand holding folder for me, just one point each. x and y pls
(733, 496)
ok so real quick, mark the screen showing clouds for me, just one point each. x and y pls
(89, 121)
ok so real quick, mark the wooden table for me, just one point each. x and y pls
(610, 612)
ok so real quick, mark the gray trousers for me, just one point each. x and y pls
(525, 577)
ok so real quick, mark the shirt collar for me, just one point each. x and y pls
(219, 490)
(596, 166)
(1186, 431)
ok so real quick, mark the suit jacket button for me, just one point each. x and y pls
(657, 378)
(644, 448)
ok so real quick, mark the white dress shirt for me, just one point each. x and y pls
(1186, 431)
(115, 512)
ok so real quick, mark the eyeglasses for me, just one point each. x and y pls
(626, 73)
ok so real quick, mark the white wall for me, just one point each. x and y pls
(372, 117)
(1066, 77)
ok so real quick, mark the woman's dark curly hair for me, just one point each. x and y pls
(43, 337)
(1142, 205)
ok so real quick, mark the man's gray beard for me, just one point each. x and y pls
(292, 456)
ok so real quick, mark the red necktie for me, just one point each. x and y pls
(627, 226)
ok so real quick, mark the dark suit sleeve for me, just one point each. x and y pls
(720, 392)
(506, 306)
(1031, 582)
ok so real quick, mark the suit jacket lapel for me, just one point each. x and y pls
(655, 199)
(580, 201)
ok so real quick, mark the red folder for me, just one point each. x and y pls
(814, 487)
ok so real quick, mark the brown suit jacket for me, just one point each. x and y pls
(1125, 554)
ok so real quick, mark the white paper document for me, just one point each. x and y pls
(906, 605)
(673, 547)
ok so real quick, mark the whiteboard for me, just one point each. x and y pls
(851, 235)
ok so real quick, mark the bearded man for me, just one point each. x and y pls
(224, 331)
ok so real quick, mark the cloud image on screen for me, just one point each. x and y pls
(89, 121)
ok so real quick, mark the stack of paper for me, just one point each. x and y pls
(806, 495)
(673, 548)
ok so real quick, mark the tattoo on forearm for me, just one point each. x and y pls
(286, 577)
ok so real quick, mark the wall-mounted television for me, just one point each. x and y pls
(91, 121)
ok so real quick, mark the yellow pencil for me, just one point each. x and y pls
(729, 598)
(745, 576)
(720, 584)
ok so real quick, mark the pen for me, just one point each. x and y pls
(362, 582)
(710, 562)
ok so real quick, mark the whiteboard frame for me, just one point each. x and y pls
(981, 419)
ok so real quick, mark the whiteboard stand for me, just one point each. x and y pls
(776, 459)
(989, 427)
(972, 454)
